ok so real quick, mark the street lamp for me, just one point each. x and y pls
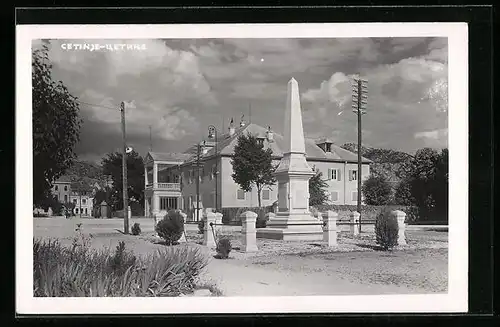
(124, 171)
(212, 134)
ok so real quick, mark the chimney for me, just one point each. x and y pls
(269, 135)
(231, 128)
(242, 121)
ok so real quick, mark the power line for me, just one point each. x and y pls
(95, 105)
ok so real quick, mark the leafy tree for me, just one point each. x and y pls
(252, 165)
(317, 190)
(376, 190)
(56, 127)
(426, 184)
(112, 165)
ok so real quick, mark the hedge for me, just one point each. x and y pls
(231, 215)
(368, 212)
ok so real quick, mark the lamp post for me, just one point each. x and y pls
(359, 103)
(212, 133)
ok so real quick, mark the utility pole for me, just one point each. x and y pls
(198, 184)
(359, 97)
(124, 172)
(250, 112)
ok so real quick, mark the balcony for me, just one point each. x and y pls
(164, 186)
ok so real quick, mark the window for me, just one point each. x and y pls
(75, 201)
(65, 188)
(334, 174)
(265, 194)
(85, 210)
(57, 188)
(260, 141)
(353, 175)
(76, 210)
(240, 195)
(328, 147)
(335, 196)
(167, 203)
(354, 196)
(84, 201)
(65, 198)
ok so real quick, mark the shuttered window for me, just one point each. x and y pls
(335, 196)
(265, 194)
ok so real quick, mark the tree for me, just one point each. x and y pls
(56, 127)
(425, 184)
(317, 190)
(112, 165)
(252, 165)
(376, 190)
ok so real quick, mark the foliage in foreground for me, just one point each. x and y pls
(386, 229)
(136, 229)
(224, 247)
(171, 227)
(77, 271)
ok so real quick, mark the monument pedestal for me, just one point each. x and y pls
(290, 227)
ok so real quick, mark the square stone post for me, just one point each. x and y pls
(400, 216)
(208, 236)
(330, 228)
(218, 218)
(248, 229)
(354, 227)
(183, 237)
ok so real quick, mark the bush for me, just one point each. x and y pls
(377, 190)
(171, 227)
(136, 229)
(261, 221)
(68, 272)
(231, 215)
(201, 226)
(368, 212)
(223, 248)
(386, 229)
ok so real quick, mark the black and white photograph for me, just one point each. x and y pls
(273, 168)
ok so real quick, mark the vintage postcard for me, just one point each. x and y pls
(246, 168)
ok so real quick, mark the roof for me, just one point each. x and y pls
(172, 156)
(63, 179)
(313, 152)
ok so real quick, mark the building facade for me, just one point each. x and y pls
(61, 188)
(210, 172)
(84, 204)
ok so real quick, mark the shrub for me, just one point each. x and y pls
(201, 226)
(61, 272)
(261, 221)
(171, 227)
(136, 229)
(386, 229)
(231, 215)
(377, 190)
(223, 248)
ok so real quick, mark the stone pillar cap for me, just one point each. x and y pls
(249, 214)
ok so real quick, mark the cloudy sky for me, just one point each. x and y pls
(180, 86)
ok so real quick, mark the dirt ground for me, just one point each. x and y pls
(355, 267)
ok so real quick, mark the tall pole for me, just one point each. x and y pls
(198, 184)
(359, 103)
(124, 172)
(359, 152)
(212, 133)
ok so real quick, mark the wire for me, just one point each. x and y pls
(95, 105)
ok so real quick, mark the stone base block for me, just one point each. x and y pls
(285, 234)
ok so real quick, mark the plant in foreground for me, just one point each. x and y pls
(223, 248)
(171, 227)
(59, 273)
(386, 229)
(136, 229)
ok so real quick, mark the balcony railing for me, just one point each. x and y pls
(164, 186)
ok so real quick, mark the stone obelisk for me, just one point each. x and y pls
(293, 221)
